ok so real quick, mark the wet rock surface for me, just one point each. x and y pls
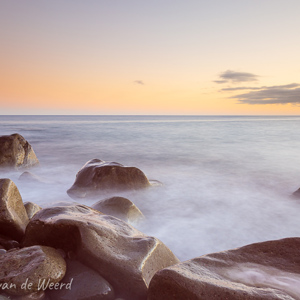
(15, 151)
(27, 270)
(97, 177)
(268, 270)
(119, 207)
(124, 256)
(13, 216)
(84, 283)
(31, 209)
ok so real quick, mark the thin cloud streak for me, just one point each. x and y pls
(236, 77)
(284, 94)
(288, 86)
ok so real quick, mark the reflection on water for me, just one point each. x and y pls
(227, 180)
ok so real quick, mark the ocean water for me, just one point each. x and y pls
(227, 180)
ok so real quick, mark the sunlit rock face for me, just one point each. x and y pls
(119, 207)
(13, 216)
(16, 152)
(124, 256)
(268, 270)
(32, 264)
(31, 209)
(97, 177)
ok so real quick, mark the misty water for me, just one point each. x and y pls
(227, 181)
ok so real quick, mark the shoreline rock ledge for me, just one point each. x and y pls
(16, 152)
(261, 271)
(98, 177)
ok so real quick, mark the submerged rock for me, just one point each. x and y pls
(85, 284)
(15, 151)
(31, 209)
(119, 207)
(297, 193)
(268, 270)
(124, 256)
(13, 216)
(29, 269)
(97, 177)
(31, 178)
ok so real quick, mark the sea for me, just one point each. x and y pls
(226, 181)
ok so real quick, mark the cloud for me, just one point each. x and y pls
(288, 86)
(140, 82)
(236, 77)
(279, 94)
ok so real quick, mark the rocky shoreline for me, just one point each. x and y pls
(74, 251)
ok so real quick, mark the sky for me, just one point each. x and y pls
(191, 57)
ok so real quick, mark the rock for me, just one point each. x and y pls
(297, 193)
(97, 177)
(268, 270)
(35, 265)
(8, 243)
(119, 207)
(13, 216)
(30, 177)
(86, 284)
(124, 256)
(31, 209)
(15, 151)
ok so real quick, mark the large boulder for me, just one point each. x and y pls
(13, 216)
(86, 284)
(15, 151)
(124, 256)
(97, 177)
(30, 269)
(119, 207)
(268, 270)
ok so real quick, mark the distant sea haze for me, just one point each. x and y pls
(227, 180)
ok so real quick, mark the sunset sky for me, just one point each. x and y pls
(218, 57)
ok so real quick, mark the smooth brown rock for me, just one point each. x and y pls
(82, 283)
(97, 177)
(31, 209)
(124, 256)
(119, 207)
(13, 216)
(15, 151)
(36, 264)
(268, 270)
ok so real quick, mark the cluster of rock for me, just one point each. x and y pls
(78, 252)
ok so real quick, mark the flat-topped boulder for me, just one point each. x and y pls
(28, 270)
(119, 207)
(16, 152)
(268, 270)
(124, 256)
(98, 177)
(13, 216)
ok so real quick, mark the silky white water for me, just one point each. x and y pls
(226, 180)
